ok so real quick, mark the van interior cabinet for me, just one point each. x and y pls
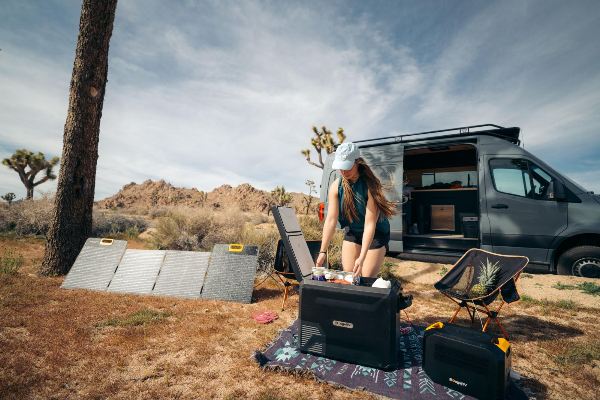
(442, 210)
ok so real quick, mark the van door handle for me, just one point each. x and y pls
(499, 206)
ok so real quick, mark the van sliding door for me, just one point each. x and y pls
(387, 164)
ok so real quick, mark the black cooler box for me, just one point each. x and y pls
(355, 324)
(469, 361)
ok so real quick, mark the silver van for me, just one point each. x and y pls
(476, 186)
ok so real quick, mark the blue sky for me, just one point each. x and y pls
(203, 93)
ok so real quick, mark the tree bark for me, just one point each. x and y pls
(71, 222)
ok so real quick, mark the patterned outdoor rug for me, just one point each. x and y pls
(409, 382)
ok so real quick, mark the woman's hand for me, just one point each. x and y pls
(357, 271)
(320, 260)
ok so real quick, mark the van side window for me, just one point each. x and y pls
(521, 178)
(510, 176)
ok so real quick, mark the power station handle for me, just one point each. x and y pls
(499, 206)
(106, 242)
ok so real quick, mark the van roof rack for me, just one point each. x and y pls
(509, 134)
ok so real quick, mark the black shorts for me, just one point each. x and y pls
(379, 240)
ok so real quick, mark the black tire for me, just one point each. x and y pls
(580, 261)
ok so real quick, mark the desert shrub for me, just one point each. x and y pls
(184, 229)
(266, 240)
(312, 228)
(139, 210)
(169, 229)
(335, 250)
(228, 226)
(158, 212)
(256, 218)
(27, 217)
(11, 262)
(115, 224)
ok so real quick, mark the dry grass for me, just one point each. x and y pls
(77, 344)
(11, 262)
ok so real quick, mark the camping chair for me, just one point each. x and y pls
(282, 268)
(463, 283)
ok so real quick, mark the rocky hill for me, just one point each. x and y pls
(150, 194)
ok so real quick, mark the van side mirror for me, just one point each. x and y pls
(556, 191)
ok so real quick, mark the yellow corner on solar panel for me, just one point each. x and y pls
(106, 242)
(437, 325)
(236, 248)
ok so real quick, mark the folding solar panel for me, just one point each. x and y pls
(230, 277)
(294, 242)
(182, 274)
(137, 271)
(95, 265)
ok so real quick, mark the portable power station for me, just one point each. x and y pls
(472, 362)
(356, 324)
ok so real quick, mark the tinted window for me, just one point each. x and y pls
(511, 176)
(521, 178)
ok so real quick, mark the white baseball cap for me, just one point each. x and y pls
(345, 155)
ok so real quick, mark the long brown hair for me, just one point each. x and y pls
(385, 207)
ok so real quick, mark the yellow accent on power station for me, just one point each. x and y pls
(106, 242)
(236, 248)
(437, 325)
(503, 344)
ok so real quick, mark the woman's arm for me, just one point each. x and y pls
(330, 221)
(371, 216)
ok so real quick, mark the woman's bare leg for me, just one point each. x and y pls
(373, 262)
(350, 252)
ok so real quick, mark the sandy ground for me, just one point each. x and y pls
(538, 286)
(56, 343)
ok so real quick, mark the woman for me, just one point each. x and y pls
(357, 202)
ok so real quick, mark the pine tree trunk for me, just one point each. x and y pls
(29, 192)
(71, 222)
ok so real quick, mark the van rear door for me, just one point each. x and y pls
(387, 163)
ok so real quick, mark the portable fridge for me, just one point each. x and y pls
(355, 324)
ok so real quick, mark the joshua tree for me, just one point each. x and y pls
(279, 198)
(309, 198)
(203, 197)
(9, 197)
(323, 140)
(23, 159)
(71, 222)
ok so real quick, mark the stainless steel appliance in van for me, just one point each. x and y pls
(475, 186)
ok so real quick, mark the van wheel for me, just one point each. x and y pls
(580, 261)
